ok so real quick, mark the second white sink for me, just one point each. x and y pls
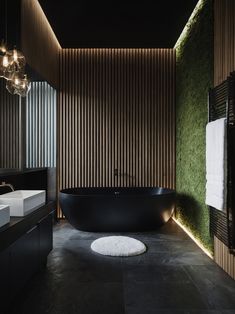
(23, 202)
(4, 215)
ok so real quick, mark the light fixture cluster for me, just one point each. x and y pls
(12, 69)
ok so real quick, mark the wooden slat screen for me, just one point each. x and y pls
(223, 258)
(116, 111)
(224, 39)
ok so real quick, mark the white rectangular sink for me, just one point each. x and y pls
(4, 215)
(23, 202)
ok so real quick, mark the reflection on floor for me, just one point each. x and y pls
(174, 276)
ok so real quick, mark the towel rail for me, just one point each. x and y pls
(221, 104)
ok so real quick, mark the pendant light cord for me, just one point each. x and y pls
(6, 21)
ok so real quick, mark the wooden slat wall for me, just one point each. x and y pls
(9, 128)
(41, 126)
(39, 43)
(223, 258)
(117, 111)
(224, 63)
(224, 39)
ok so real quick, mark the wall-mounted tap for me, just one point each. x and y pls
(129, 178)
(4, 184)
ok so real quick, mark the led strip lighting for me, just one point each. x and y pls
(197, 8)
(199, 244)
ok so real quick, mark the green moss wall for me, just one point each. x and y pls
(194, 70)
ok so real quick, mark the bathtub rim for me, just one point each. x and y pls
(110, 192)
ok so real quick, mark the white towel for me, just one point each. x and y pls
(216, 164)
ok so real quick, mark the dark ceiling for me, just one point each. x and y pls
(87, 23)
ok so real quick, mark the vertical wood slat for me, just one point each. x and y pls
(222, 257)
(9, 128)
(116, 111)
(224, 39)
(41, 126)
(224, 63)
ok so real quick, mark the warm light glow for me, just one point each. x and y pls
(15, 56)
(193, 238)
(5, 62)
(37, 11)
(189, 23)
(3, 47)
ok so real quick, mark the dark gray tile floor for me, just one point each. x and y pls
(173, 277)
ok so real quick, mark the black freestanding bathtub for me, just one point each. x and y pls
(117, 209)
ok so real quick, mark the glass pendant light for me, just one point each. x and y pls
(23, 86)
(18, 84)
(12, 68)
(13, 61)
(16, 59)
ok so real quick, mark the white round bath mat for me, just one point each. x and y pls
(118, 246)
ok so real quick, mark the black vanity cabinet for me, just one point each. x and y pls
(45, 239)
(4, 276)
(24, 259)
(24, 246)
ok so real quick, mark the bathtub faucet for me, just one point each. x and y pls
(4, 184)
(127, 177)
(118, 173)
